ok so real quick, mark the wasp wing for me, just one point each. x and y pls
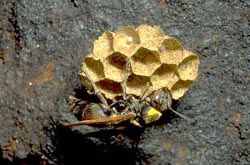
(103, 121)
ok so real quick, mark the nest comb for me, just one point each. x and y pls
(155, 57)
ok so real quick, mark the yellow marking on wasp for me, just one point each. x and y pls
(153, 112)
(136, 123)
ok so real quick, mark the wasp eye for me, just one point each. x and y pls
(157, 97)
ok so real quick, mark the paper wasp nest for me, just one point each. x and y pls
(154, 57)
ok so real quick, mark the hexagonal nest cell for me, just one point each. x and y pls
(126, 40)
(154, 57)
(144, 62)
(136, 84)
(104, 45)
(180, 88)
(165, 76)
(94, 68)
(115, 67)
(109, 88)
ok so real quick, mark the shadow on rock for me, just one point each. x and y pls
(100, 147)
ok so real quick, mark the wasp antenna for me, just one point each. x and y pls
(143, 96)
(174, 111)
(181, 115)
(124, 91)
(124, 83)
(97, 92)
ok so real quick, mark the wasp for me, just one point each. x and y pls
(136, 111)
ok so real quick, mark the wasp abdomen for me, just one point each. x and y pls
(94, 111)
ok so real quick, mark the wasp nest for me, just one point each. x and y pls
(154, 57)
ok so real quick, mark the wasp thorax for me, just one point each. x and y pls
(155, 58)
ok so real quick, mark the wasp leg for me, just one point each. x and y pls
(124, 83)
(118, 102)
(143, 96)
(97, 92)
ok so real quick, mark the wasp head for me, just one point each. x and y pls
(161, 99)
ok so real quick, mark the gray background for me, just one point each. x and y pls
(42, 44)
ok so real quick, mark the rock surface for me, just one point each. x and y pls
(42, 44)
